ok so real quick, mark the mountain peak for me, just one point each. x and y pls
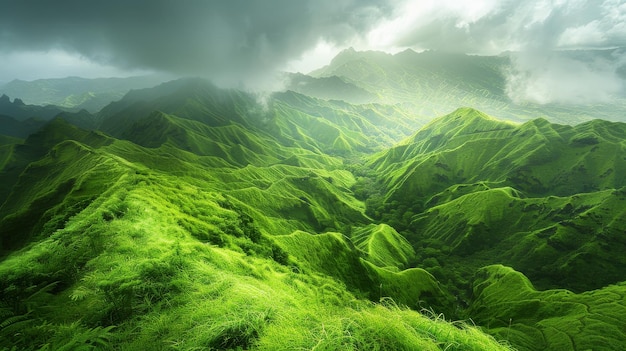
(343, 57)
(349, 50)
(465, 115)
(464, 120)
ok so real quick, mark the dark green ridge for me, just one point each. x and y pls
(20, 111)
(19, 129)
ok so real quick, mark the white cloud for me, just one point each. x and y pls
(239, 40)
(414, 17)
(582, 36)
(314, 58)
(560, 78)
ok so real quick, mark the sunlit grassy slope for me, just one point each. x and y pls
(537, 158)
(202, 218)
(208, 222)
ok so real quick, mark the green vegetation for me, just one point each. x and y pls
(506, 302)
(189, 269)
(199, 218)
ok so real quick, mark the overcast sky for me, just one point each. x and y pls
(245, 41)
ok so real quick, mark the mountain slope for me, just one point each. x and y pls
(536, 157)
(18, 129)
(468, 191)
(329, 88)
(210, 218)
(152, 246)
(293, 119)
(548, 320)
(432, 83)
(20, 111)
(533, 196)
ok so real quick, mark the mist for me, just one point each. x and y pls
(557, 77)
(542, 35)
(243, 43)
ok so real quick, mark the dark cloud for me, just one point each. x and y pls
(232, 39)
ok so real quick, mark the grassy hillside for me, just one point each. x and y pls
(507, 302)
(537, 158)
(131, 256)
(202, 218)
(468, 191)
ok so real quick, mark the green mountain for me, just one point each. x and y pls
(469, 191)
(329, 88)
(433, 83)
(193, 217)
(20, 111)
(208, 221)
(19, 129)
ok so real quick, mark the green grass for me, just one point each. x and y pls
(137, 267)
(508, 305)
(540, 197)
(384, 246)
(211, 222)
(536, 158)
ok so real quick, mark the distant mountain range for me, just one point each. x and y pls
(433, 83)
(193, 217)
(76, 93)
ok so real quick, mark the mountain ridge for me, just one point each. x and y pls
(74, 92)
(216, 219)
(433, 83)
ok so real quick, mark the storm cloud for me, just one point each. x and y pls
(242, 41)
(225, 40)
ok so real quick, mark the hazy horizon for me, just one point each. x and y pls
(247, 43)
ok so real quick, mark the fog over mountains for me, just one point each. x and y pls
(241, 43)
